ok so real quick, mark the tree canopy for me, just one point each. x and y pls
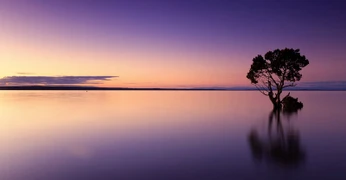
(275, 71)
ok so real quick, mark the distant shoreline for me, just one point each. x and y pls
(81, 88)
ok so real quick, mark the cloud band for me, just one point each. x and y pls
(54, 80)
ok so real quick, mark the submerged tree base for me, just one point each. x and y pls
(290, 103)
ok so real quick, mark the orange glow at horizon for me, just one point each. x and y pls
(136, 67)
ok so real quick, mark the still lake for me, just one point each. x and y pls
(125, 135)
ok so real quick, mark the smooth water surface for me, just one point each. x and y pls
(53, 135)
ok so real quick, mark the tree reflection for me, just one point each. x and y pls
(281, 144)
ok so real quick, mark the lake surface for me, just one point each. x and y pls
(125, 135)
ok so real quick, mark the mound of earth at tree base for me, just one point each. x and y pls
(290, 103)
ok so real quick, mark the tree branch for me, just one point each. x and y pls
(271, 77)
(264, 92)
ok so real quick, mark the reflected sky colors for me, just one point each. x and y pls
(161, 135)
(176, 43)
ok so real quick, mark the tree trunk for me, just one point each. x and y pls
(276, 104)
(275, 101)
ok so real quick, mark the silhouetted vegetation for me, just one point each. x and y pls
(291, 104)
(279, 146)
(275, 71)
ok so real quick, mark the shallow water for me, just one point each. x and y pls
(169, 135)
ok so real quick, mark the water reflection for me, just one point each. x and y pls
(169, 135)
(281, 145)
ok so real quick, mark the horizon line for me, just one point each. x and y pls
(236, 88)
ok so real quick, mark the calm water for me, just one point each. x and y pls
(169, 135)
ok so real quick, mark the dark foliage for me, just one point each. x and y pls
(291, 104)
(275, 71)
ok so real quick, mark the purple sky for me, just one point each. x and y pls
(180, 40)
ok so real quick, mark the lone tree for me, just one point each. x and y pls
(275, 71)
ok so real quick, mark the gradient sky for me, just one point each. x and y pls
(162, 43)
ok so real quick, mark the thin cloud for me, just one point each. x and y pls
(323, 85)
(25, 73)
(54, 80)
